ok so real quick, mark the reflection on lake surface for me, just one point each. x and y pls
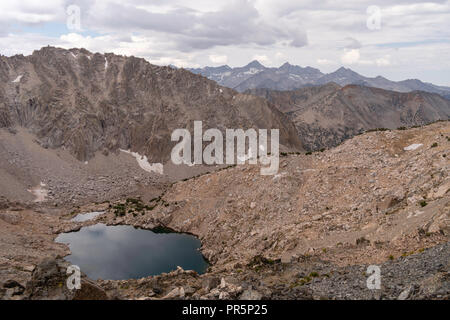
(124, 252)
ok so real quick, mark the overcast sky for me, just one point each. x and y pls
(397, 39)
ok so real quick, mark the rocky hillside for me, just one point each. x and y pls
(327, 115)
(369, 186)
(309, 232)
(89, 102)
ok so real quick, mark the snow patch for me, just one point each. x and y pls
(295, 76)
(73, 55)
(144, 164)
(87, 216)
(89, 57)
(39, 192)
(413, 147)
(17, 79)
(252, 71)
(106, 63)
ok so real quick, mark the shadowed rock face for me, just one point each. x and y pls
(90, 102)
(327, 115)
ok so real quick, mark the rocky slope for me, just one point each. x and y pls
(65, 114)
(290, 77)
(32, 174)
(415, 276)
(368, 201)
(327, 115)
(88, 102)
(307, 233)
(368, 187)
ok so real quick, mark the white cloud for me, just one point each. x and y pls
(262, 58)
(31, 11)
(353, 57)
(350, 43)
(382, 62)
(350, 56)
(325, 62)
(178, 62)
(218, 59)
(280, 55)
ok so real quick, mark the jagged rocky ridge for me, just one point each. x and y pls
(89, 102)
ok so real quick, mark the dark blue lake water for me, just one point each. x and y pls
(124, 252)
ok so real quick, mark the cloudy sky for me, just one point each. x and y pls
(397, 39)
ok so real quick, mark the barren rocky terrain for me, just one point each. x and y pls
(73, 123)
(308, 232)
(329, 114)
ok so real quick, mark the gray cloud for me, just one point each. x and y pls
(187, 32)
(238, 22)
(351, 43)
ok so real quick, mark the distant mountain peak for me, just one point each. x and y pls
(413, 80)
(223, 67)
(288, 66)
(291, 77)
(255, 64)
(344, 70)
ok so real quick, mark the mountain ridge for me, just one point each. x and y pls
(91, 102)
(329, 114)
(290, 77)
